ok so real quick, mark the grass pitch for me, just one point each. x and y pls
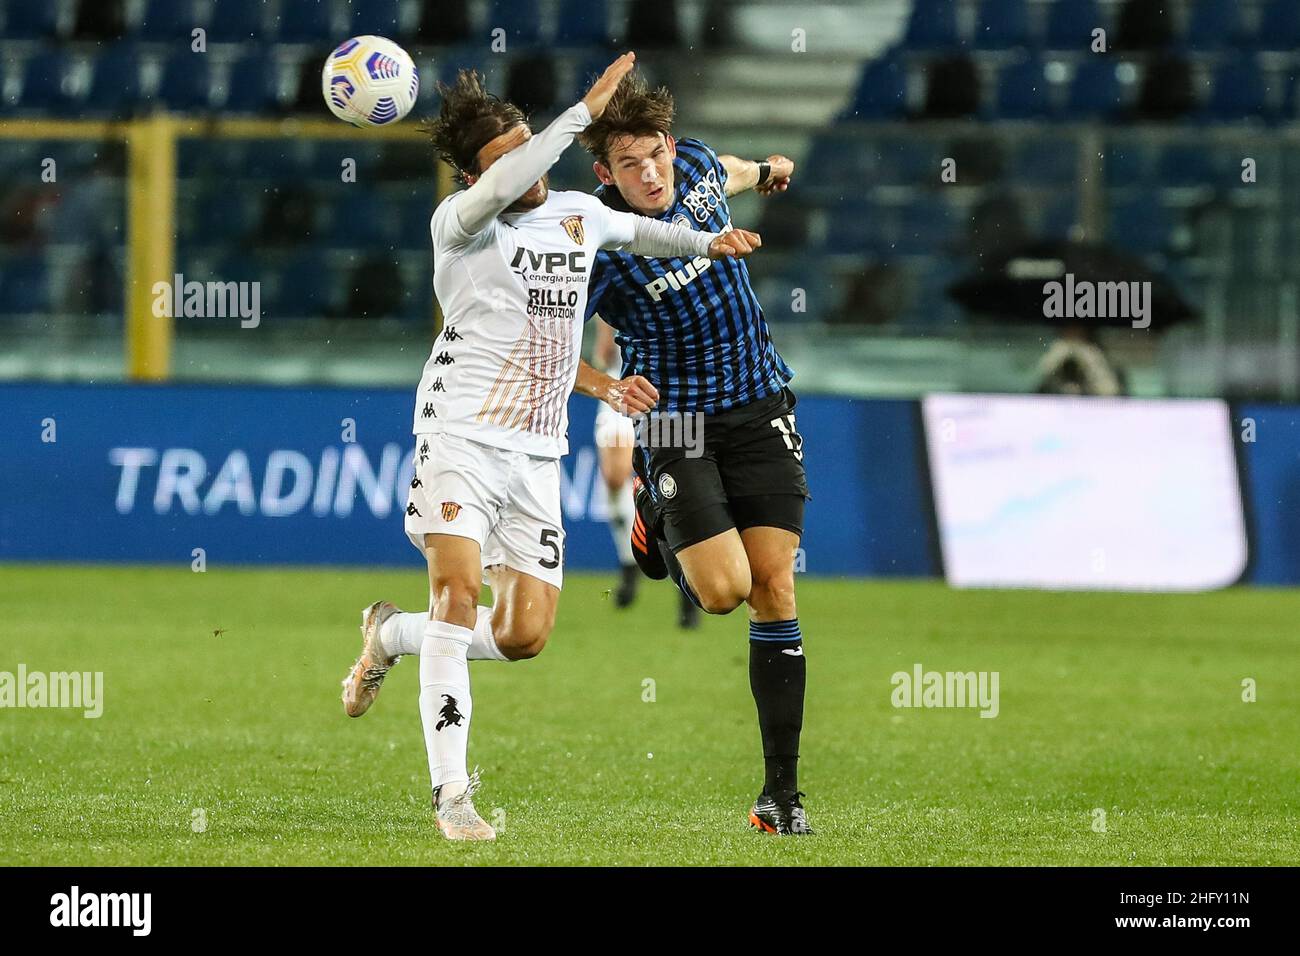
(1127, 704)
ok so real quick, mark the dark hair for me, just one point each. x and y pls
(633, 110)
(470, 118)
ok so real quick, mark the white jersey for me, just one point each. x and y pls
(514, 301)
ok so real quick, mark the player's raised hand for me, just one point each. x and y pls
(633, 395)
(598, 96)
(778, 180)
(734, 244)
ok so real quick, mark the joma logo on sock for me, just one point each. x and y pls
(922, 688)
(103, 909)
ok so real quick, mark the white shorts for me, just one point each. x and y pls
(507, 501)
(613, 430)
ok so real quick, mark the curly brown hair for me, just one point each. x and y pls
(633, 110)
(470, 117)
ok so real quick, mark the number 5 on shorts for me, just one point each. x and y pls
(548, 539)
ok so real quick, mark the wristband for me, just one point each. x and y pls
(764, 171)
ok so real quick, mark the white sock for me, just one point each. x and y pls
(445, 706)
(483, 646)
(621, 506)
(403, 633)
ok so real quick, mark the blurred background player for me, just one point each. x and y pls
(511, 268)
(615, 439)
(724, 524)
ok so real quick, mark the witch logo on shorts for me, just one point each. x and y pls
(573, 226)
(450, 510)
(450, 716)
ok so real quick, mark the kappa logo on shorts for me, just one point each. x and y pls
(450, 510)
(667, 485)
(573, 226)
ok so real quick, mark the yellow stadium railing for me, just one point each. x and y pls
(151, 201)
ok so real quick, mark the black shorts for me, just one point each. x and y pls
(746, 471)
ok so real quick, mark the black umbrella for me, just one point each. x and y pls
(1063, 283)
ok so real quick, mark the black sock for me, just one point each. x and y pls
(777, 675)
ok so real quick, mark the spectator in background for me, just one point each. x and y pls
(288, 216)
(531, 84)
(99, 20)
(443, 23)
(952, 88)
(1145, 25)
(1166, 92)
(875, 296)
(1076, 364)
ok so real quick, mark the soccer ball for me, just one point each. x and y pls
(369, 81)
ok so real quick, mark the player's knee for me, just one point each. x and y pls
(523, 640)
(721, 594)
(773, 596)
(455, 600)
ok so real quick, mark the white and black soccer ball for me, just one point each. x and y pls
(370, 81)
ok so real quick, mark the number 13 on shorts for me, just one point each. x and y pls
(793, 440)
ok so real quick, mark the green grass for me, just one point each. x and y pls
(1128, 703)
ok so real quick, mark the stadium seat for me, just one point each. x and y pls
(305, 21)
(443, 23)
(856, 226)
(582, 23)
(1279, 26)
(882, 92)
(168, 20)
(1002, 25)
(237, 21)
(24, 285)
(114, 82)
(99, 20)
(378, 17)
(44, 83)
(1239, 93)
(250, 83)
(1189, 164)
(1214, 25)
(30, 19)
(1140, 225)
(1022, 92)
(932, 26)
(186, 83)
(303, 288)
(519, 18)
(1070, 24)
(1057, 217)
(926, 226)
(1095, 91)
(361, 219)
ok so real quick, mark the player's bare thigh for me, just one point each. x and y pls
(455, 578)
(523, 611)
(718, 571)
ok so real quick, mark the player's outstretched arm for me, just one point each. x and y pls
(633, 395)
(643, 236)
(743, 174)
(531, 157)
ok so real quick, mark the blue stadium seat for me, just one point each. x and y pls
(1189, 165)
(1039, 162)
(186, 83)
(1058, 216)
(1095, 91)
(305, 21)
(414, 223)
(932, 26)
(582, 23)
(168, 20)
(856, 226)
(1279, 26)
(250, 84)
(1239, 93)
(520, 19)
(882, 92)
(1002, 25)
(44, 76)
(304, 287)
(1129, 163)
(1070, 24)
(30, 19)
(361, 219)
(238, 21)
(1141, 225)
(225, 216)
(376, 17)
(24, 285)
(927, 225)
(1022, 91)
(1214, 25)
(114, 81)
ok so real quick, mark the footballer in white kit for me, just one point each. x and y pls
(511, 265)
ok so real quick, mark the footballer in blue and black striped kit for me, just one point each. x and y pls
(723, 516)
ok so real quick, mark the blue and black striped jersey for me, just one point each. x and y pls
(693, 327)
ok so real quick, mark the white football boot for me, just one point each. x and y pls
(457, 818)
(361, 686)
